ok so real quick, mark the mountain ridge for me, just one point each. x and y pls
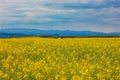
(18, 32)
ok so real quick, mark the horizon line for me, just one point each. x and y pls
(63, 30)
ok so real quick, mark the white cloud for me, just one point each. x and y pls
(2, 11)
(53, 1)
(91, 1)
(46, 9)
(38, 10)
(29, 14)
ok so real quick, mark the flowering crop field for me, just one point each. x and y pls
(34, 58)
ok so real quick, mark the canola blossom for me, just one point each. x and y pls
(37, 58)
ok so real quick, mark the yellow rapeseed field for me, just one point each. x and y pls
(37, 58)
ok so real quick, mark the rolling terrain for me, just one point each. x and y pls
(4, 33)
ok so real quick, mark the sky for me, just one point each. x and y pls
(79, 15)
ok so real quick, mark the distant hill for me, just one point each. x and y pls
(15, 32)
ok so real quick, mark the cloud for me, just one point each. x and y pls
(45, 9)
(73, 1)
(64, 14)
(2, 11)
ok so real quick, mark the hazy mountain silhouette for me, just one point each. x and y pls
(17, 32)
